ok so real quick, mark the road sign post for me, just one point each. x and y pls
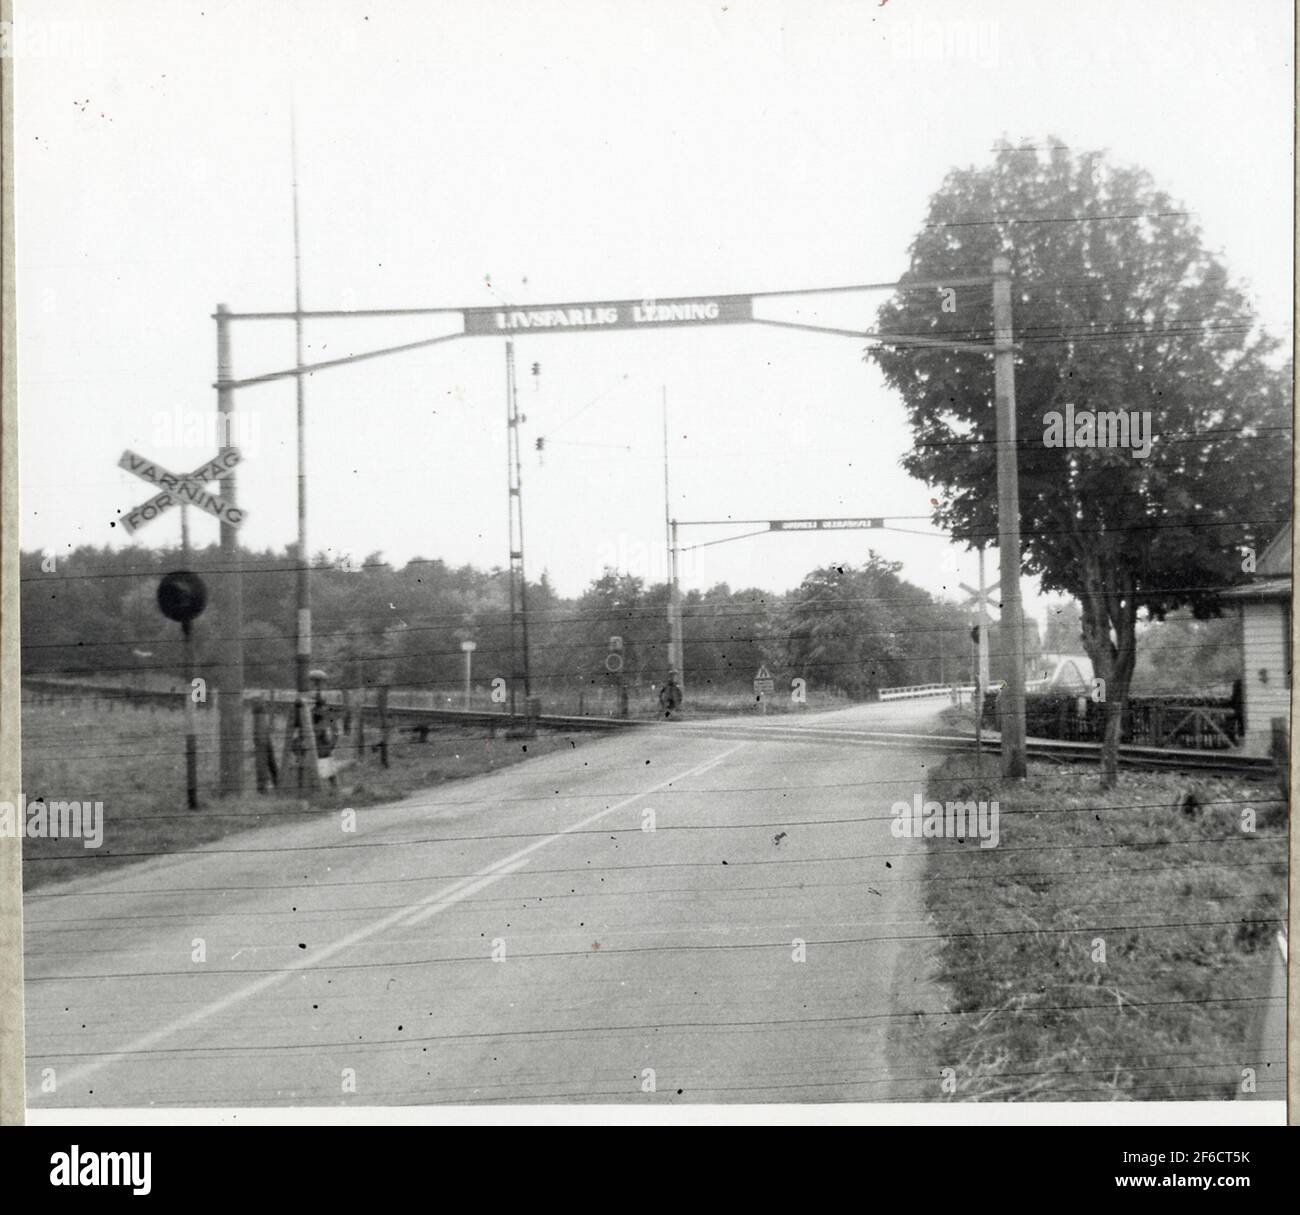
(468, 648)
(764, 686)
(980, 598)
(614, 674)
(181, 597)
(984, 623)
(185, 491)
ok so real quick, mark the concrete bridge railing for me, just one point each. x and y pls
(917, 690)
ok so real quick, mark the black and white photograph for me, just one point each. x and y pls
(714, 562)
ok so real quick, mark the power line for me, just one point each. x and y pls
(1067, 219)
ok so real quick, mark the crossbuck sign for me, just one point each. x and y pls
(181, 491)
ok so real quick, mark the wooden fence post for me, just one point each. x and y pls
(263, 747)
(1281, 748)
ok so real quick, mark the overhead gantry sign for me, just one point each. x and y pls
(631, 315)
(617, 314)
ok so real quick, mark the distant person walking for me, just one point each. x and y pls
(324, 728)
(670, 695)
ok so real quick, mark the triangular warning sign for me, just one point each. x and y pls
(762, 673)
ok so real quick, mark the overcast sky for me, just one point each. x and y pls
(561, 150)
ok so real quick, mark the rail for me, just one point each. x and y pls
(418, 718)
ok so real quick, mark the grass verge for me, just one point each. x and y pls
(1116, 945)
(133, 760)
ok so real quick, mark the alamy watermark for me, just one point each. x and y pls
(203, 429)
(78, 1167)
(36, 39)
(624, 554)
(1099, 428)
(40, 819)
(938, 41)
(946, 820)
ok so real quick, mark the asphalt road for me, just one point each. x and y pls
(519, 937)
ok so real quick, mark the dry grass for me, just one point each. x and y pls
(1185, 903)
(133, 760)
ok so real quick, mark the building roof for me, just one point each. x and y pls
(1272, 576)
(1264, 588)
(1275, 561)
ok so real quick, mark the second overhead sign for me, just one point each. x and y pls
(821, 525)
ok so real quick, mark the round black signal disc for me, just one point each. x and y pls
(182, 595)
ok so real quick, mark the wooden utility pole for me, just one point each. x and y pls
(1011, 699)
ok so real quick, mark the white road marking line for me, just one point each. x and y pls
(592, 818)
(473, 888)
(434, 903)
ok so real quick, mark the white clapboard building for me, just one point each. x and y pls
(1265, 607)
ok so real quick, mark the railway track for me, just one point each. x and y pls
(415, 719)
(1148, 758)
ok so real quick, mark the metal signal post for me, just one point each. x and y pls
(303, 749)
(518, 583)
(675, 657)
(230, 584)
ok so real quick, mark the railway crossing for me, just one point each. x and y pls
(591, 317)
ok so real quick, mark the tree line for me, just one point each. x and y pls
(848, 630)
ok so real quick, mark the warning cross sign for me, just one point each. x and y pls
(181, 491)
(764, 684)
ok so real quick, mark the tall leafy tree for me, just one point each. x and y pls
(855, 627)
(1118, 306)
